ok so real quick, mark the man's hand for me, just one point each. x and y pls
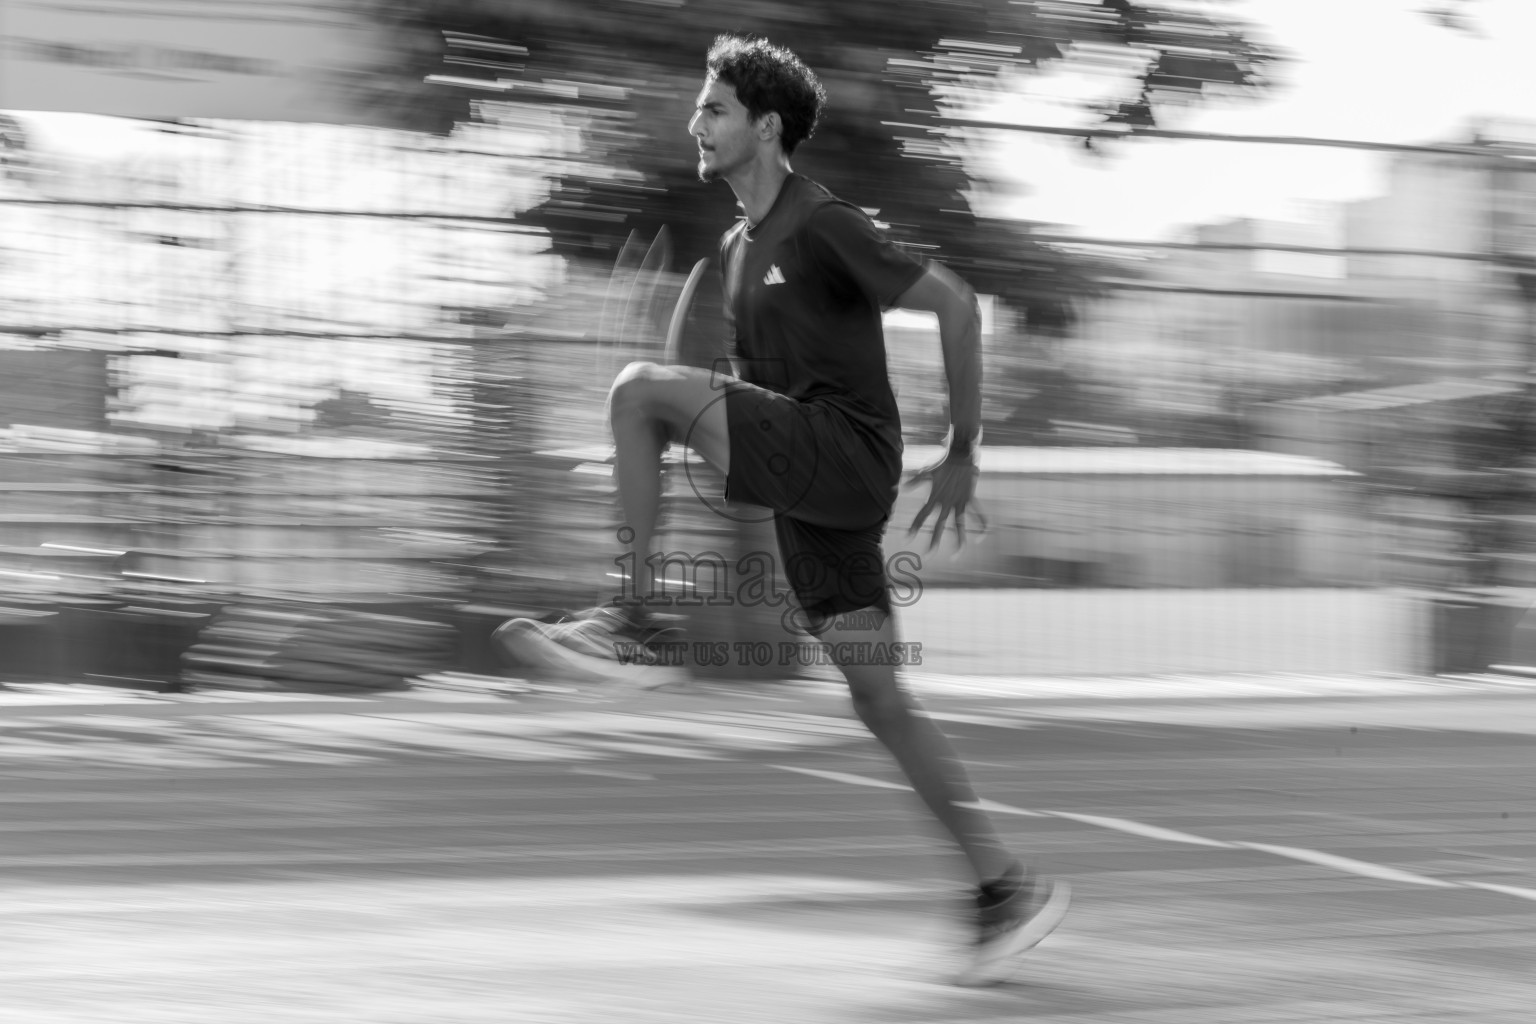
(953, 494)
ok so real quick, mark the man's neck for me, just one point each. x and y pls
(757, 186)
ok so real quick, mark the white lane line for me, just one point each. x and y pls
(962, 719)
(852, 780)
(1328, 860)
(997, 808)
(1508, 890)
(1349, 864)
(1138, 828)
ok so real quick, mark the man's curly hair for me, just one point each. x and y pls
(769, 78)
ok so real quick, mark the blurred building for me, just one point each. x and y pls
(1236, 314)
(1434, 447)
(1220, 322)
(1378, 430)
(1410, 442)
(1467, 308)
(1482, 209)
(1154, 518)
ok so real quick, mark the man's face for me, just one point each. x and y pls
(726, 136)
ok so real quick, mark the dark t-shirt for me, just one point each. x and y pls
(804, 291)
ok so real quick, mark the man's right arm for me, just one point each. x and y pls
(940, 291)
(953, 479)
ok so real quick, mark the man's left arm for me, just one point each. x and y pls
(941, 292)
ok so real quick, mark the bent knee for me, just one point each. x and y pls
(639, 384)
(632, 388)
(635, 377)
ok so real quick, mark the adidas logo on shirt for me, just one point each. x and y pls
(774, 275)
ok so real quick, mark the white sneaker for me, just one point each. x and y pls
(599, 645)
(1007, 928)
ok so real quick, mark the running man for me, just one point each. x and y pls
(810, 429)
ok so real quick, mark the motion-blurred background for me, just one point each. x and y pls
(307, 312)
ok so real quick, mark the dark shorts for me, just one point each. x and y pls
(830, 490)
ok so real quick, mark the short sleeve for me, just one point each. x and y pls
(728, 289)
(845, 240)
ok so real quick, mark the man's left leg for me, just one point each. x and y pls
(649, 407)
(1015, 909)
(923, 751)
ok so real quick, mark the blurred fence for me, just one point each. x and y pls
(252, 365)
(306, 371)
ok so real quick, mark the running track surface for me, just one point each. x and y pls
(1278, 850)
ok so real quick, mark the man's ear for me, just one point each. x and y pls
(770, 127)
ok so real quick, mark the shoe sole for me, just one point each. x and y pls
(1002, 961)
(525, 642)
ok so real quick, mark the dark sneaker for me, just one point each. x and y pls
(597, 645)
(1011, 919)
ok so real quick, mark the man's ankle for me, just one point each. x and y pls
(999, 887)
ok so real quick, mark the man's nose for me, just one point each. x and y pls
(693, 127)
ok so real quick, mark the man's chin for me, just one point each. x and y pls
(708, 173)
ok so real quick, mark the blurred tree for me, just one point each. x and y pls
(629, 72)
(1452, 14)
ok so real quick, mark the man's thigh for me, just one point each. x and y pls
(689, 400)
(798, 459)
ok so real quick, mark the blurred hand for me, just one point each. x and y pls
(953, 496)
